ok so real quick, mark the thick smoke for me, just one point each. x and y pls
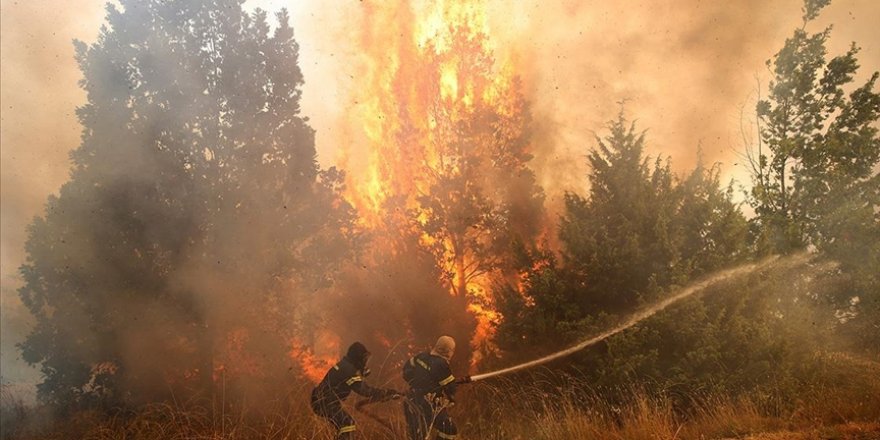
(683, 70)
(37, 130)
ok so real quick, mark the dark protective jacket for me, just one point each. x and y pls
(427, 373)
(340, 381)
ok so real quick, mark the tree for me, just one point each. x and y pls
(818, 182)
(712, 228)
(822, 144)
(195, 206)
(480, 194)
(618, 240)
(454, 155)
(640, 231)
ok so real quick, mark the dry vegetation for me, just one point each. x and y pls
(845, 406)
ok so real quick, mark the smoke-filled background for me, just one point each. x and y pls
(689, 72)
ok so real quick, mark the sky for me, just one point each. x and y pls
(688, 70)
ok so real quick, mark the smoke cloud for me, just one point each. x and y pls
(683, 69)
(38, 128)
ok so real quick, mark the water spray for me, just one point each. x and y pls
(634, 319)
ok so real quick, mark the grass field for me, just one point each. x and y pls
(847, 407)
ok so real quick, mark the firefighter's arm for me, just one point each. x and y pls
(446, 381)
(374, 394)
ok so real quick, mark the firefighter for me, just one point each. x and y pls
(432, 387)
(343, 378)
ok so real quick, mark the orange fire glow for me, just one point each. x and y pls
(233, 358)
(317, 358)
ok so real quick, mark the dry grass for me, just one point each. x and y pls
(643, 418)
(653, 418)
(848, 431)
(847, 407)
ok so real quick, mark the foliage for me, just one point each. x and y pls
(712, 229)
(195, 202)
(618, 240)
(641, 230)
(744, 335)
(817, 181)
(766, 335)
(822, 145)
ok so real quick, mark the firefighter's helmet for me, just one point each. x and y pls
(358, 355)
(444, 347)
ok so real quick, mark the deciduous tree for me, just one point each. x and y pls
(194, 209)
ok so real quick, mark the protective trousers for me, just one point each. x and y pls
(423, 415)
(341, 420)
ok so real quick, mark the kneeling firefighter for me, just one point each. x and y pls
(343, 378)
(432, 387)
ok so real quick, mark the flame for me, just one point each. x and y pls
(315, 360)
(430, 74)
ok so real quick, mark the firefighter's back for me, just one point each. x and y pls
(425, 373)
(335, 385)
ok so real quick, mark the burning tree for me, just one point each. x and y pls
(448, 181)
(195, 207)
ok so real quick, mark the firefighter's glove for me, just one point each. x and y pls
(366, 372)
(464, 379)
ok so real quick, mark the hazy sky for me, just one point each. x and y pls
(686, 69)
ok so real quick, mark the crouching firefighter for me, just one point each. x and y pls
(432, 388)
(343, 378)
